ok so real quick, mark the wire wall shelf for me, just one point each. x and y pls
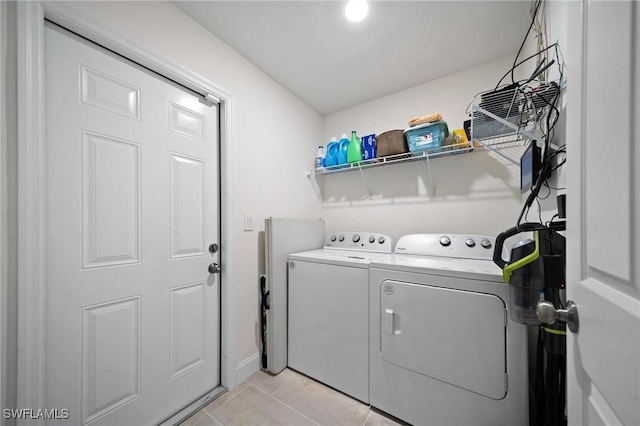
(395, 159)
(505, 120)
(407, 157)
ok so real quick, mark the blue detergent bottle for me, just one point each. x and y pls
(342, 149)
(331, 159)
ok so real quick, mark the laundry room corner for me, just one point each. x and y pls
(475, 192)
(469, 192)
(346, 212)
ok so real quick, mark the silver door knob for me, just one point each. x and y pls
(214, 268)
(548, 314)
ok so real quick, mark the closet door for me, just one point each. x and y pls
(603, 226)
(132, 206)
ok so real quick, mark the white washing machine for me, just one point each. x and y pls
(328, 336)
(444, 350)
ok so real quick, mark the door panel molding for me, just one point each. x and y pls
(68, 17)
(31, 178)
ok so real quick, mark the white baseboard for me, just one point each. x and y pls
(247, 368)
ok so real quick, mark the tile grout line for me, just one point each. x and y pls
(213, 418)
(271, 395)
(367, 419)
(283, 383)
(288, 406)
(206, 414)
(216, 421)
(311, 379)
(226, 402)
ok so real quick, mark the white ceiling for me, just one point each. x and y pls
(331, 64)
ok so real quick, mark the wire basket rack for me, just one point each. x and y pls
(506, 119)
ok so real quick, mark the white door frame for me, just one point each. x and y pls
(32, 254)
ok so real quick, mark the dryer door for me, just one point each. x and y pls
(455, 336)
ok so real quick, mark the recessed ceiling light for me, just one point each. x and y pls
(356, 10)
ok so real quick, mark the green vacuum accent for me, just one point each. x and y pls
(554, 331)
(508, 269)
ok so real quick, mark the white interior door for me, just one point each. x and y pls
(603, 357)
(132, 206)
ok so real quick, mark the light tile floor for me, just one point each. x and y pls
(288, 399)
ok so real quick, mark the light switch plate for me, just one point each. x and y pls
(248, 222)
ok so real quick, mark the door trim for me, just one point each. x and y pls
(31, 183)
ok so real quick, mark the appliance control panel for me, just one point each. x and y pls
(360, 241)
(447, 245)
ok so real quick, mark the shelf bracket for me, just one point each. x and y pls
(366, 182)
(433, 183)
(314, 183)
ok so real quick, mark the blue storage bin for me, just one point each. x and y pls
(426, 136)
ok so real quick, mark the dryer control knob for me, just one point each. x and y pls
(333, 238)
(341, 238)
(445, 241)
(372, 239)
(470, 242)
(486, 243)
(381, 240)
(356, 238)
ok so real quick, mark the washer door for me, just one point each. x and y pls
(455, 336)
(329, 325)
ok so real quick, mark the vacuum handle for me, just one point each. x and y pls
(523, 227)
(499, 245)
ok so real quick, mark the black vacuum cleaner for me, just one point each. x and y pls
(536, 272)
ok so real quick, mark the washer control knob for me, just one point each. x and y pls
(333, 238)
(445, 241)
(355, 238)
(470, 242)
(486, 243)
(372, 239)
(381, 240)
(341, 238)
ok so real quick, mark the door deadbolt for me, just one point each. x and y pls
(214, 268)
(213, 248)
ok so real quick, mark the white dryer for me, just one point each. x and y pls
(444, 350)
(328, 336)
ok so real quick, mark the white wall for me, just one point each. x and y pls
(271, 128)
(475, 193)
(556, 15)
(558, 18)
